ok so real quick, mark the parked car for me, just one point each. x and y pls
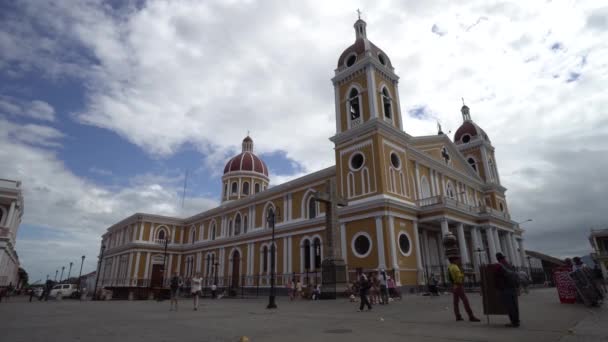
(63, 290)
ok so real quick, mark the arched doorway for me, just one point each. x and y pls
(236, 274)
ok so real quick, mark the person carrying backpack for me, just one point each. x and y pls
(364, 286)
(507, 284)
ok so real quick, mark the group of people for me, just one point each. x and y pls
(196, 288)
(374, 289)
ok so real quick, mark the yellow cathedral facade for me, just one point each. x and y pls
(403, 194)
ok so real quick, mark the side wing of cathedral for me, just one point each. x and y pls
(403, 194)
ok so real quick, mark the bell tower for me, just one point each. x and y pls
(365, 85)
(369, 142)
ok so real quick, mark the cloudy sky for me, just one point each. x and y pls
(104, 106)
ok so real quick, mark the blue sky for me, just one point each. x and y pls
(105, 105)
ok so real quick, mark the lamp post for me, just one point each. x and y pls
(80, 274)
(103, 247)
(70, 271)
(61, 277)
(215, 266)
(56, 271)
(528, 220)
(271, 218)
(165, 260)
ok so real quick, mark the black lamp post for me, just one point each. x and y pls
(56, 271)
(215, 272)
(271, 218)
(103, 248)
(80, 274)
(61, 277)
(70, 271)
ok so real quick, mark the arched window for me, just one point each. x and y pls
(472, 162)
(354, 108)
(425, 188)
(245, 188)
(312, 208)
(386, 104)
(317, 250)
(161, 234)
(213, 232)
(237, 225)
(265, 259)
(449, 190)
(307, 255)
(235, 187)
(245, 224)
(257, 187)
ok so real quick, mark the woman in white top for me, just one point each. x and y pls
(196, 288)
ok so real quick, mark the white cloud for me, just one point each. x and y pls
(71, 210)
(171, 73)
(35, 109)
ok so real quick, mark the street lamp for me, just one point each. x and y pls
(61, 277)
(522, 222)
(56, 271)
(80, 274)
(271, 218)
(70, 271)
(103, 247)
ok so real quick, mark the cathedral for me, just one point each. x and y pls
(401, 194)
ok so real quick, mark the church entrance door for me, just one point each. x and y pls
(157, 276)
(236, 262)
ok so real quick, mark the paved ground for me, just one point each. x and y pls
(415, 318)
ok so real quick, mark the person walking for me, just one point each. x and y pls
(298, 290)
(364, 286)
(507, 283)
(213, 291)
(599, 279)
(457, 278)
(175, 283)
(383, 287)
(196, 288)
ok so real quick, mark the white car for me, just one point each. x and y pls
(63, 290)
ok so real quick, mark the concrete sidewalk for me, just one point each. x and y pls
(415, 318)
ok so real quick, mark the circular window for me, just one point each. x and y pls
(404, 244)
(395, 161)
(356, 161)
(466, 138)
(362, 245)
(351, 60)
(381, 59)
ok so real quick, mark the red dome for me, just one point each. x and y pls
(470, 128)
(246, 161)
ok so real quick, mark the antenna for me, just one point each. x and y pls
(184, 193)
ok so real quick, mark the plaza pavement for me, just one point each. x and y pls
(415, 318)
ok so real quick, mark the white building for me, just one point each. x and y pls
(11, 212)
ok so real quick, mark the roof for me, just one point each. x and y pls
(545, 257)
(246, 161)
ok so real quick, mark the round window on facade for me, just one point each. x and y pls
(395, 161)
(351, 60)
(362, 245)
(381, 59)
(466, 138)
(356, 161)
(405, 245)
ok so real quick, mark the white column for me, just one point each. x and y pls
(496, 239)
(418, 192)
(380, 240)
(169, 266)
(179, 264)
(130, 268)
(343, 241)
(11, 213)
(520, 262)
(511, 248)
(141, 231)
(427, 249)
(444, 227)
(285, 255)
(418, 253)
(289, 255)
(432, 180)
(136, 275)
(476, 245)
(391, 227)
(491, 244)
(151, 235)
(462, 244)
(146, 276)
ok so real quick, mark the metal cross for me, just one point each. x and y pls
(332, 200)
(359, 14)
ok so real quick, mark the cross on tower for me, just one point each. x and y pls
(332, 200)
(359, 14)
